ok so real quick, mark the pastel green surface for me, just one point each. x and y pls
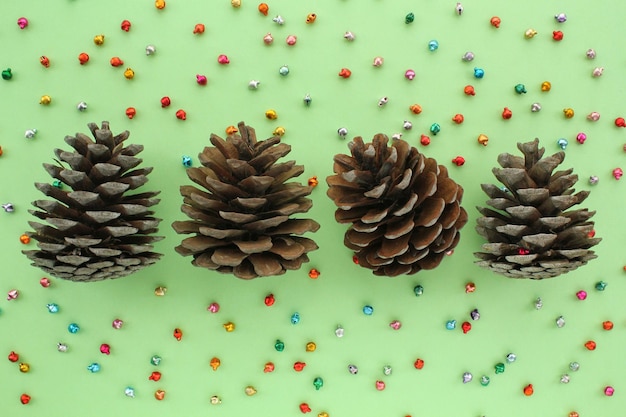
(61, 385)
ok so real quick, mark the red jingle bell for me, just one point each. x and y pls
(345, 73)
(458, 161)
(178, 334)
(83, 58)
(466, 327)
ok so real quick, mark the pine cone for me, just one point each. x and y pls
(404, 209)
(243, 224)
(530, 230)
(96, 231)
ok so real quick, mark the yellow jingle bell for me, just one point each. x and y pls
(129, 73)
(530, 33)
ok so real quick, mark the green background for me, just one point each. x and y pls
(60, 384)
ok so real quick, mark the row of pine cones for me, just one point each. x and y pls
(403, 209)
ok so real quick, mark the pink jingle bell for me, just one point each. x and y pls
(409, 74)
(594, 116)
(378, 61)
(291, 40)
(581, 138)
(223, 59)
(617, 173)
(201, 79)
(380, 385)
(22, 22)
(268, 39)
(395, 324)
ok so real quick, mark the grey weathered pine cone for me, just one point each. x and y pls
(404, 211)
(531, 230)
(97, 229)
(242, 219)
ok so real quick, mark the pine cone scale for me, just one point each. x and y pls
(262, 244)
(265, 265)
(287, 249)
(426, 187)
(430, 212)
(401, 227)
(394, 247)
